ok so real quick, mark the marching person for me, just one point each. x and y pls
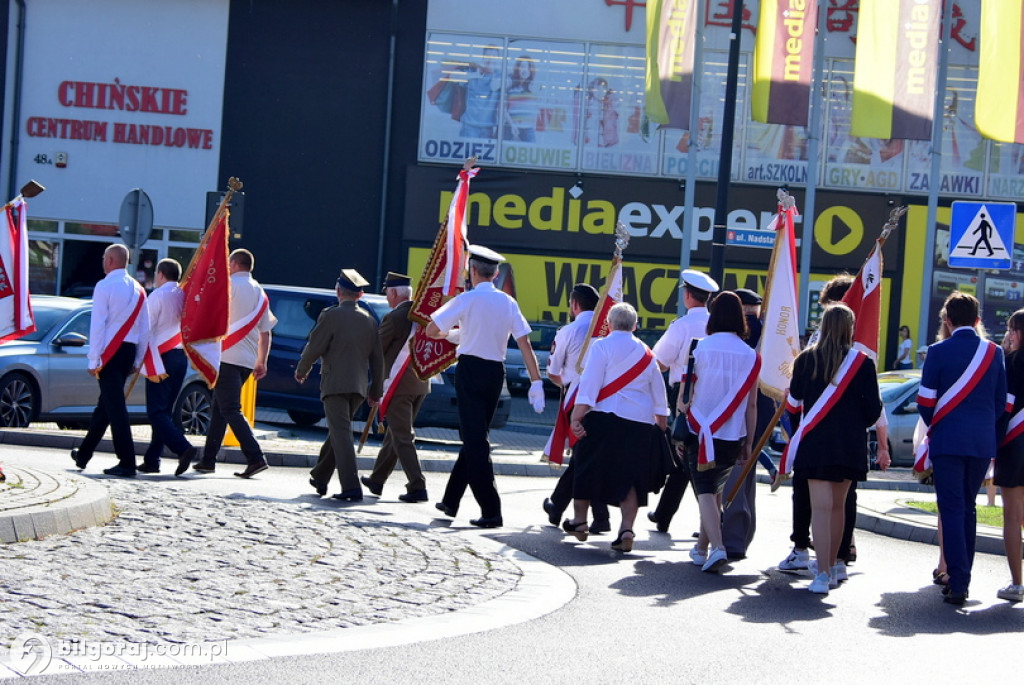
(620, 417)
(399, 442)
(165, 305)
(562, 364)
(833, 399)
(244, 353)
(345, 340)
(672, 352)
(118, 336)
(722, 414)
(1009, 475)
(963, 383)
(485, 317)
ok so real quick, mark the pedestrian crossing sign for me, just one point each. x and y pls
(981, 235)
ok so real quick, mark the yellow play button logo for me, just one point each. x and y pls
(838, 230)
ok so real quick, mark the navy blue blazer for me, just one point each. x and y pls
(970, 430)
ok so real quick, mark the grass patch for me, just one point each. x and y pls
(989, 516)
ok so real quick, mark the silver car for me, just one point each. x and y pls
(44, 377)
(899, 397)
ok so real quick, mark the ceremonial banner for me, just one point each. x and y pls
(16, 318)
(671, 35)
(865, 299)
(783, 62)
(780, 335)
(206, 314)
(999, 107)
(895, 69)
(398, 368)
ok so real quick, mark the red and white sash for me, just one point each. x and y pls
(828, 399)
(628, 376)
(562, 433)
(152, 364)
(398, 368)
(111, 349)
(705, 426)
(241, 328)
(952, 398)
(1015, 428)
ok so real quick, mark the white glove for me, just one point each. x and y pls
(454, 336)
(536, 396)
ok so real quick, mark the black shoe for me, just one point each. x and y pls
(80, 463)
(185, 460)
(321, 488)
(203, 466)
(414, 496)
(598, 527)
(355, 495)
(487, 522)
(553, 516)
(252, 469)
(653, 518)
(120, 471)
(955, 598)
(146, 468)
(374, 489)
(450, 512)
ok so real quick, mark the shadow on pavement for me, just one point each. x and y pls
(923, 612)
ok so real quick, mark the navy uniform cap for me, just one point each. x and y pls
(485, 254)
(699, 280)
(393, 280)
(350, 279)
(748, 296)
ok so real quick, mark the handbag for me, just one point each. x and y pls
(680, 428)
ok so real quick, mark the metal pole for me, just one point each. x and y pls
(385, 171)
(933, 175)
(725, 157)
(689, 211)
(813, 145)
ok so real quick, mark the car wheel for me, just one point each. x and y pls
(19, 401)
(303, 418)
(193, 409)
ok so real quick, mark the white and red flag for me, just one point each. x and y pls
(206, 314)
(865, 299)
(16, 318)
(780, 334)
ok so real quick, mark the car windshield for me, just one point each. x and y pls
(893, 385)
(541, 336)
(46, 318)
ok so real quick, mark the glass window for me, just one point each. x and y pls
(46, 318)
(184, 235)
(42, 226)
(106, 230)
(79, 324)
(296, 313)
(43, 258)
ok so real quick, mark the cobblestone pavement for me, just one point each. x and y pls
(151, 575)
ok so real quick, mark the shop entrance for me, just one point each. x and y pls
(82, 267)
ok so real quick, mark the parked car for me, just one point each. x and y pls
(899, 398)
(297, 309)
(517, 378)
(44, 377)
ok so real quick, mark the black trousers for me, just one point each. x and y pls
(477, 388)
(160, 399)
(227, 411)
(562, 496)
(111, 410)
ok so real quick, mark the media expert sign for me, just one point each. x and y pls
(529, 212)
(543, 284)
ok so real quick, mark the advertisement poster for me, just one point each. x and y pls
(708, 136)
(1006, 171)
(775, 154)
(538, 127)
(609, 109)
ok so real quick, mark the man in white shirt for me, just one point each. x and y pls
(485, 317)
(118, 336)
(165, 305)
(244, 353)
(672, 352)
(562, 370)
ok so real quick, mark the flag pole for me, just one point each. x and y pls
(234, 185)
(621, 241)
(30, 189)
(754, 452)
(366, 428)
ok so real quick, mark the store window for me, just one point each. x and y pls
(43, 260)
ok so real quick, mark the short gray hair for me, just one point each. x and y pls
(622, 317)
(484, 269)
(402, 291)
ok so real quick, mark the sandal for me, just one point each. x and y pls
(581, 530)
(623, 543)
(940, 577)
(852, 554)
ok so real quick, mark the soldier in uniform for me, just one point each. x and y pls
(485, 317)
(672, 352)
(406, 398)
(345, 340)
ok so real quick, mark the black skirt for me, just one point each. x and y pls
(615, 455)
(1010, 466)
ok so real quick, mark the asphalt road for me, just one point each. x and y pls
(651, 616)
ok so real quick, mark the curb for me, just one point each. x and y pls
(73, 504)
(902, 529)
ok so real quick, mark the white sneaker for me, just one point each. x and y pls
(820, 584)
(1013, 593)
(839, 571)
(699, 557)
(716, 559)
(796, 561)
(812, 567)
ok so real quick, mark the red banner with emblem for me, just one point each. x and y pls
(205, 316)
